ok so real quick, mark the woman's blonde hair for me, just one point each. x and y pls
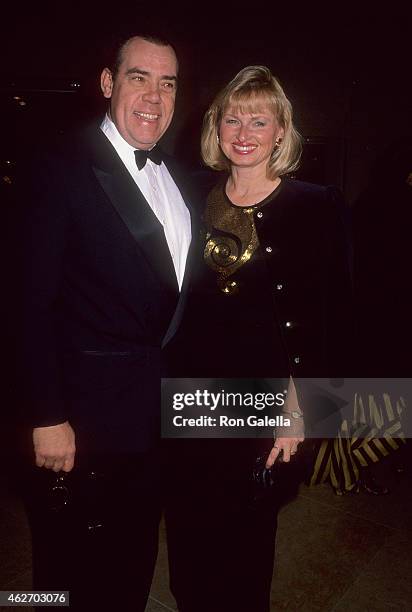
(253, 89)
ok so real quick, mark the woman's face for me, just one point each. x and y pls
(248, 139)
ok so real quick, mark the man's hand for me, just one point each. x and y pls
(54, 447)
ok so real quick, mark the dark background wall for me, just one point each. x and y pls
(346, 69)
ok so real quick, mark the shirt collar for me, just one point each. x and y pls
(112, 133)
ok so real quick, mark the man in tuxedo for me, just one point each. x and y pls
(106, 236)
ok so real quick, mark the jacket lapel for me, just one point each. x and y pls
(132, 208)
(189, 197)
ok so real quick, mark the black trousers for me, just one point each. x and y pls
(221, 527)
(96, 533)
(101, 545)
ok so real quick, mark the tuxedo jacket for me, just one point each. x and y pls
(98, 298)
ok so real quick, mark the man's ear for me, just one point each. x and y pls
(106, 82)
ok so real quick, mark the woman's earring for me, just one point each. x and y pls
(218, 139)
(277, 143)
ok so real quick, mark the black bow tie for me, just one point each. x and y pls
(141, 156)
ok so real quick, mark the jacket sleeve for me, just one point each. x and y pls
(41, 230)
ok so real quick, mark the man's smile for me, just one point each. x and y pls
(147, 116)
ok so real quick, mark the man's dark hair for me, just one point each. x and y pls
(118, 49)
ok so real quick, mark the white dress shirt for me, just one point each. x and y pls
(162, 195)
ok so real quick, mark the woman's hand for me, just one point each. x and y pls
(288, 438)
(288, 446)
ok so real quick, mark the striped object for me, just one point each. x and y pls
(375, 432)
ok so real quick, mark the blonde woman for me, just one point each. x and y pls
(269, 301)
